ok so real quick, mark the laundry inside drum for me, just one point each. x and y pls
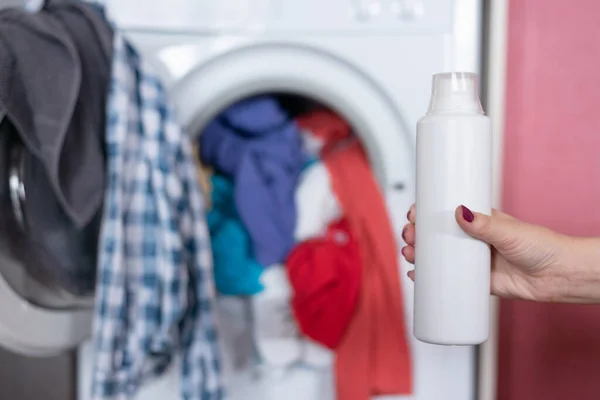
(261, 165)
(252, 158)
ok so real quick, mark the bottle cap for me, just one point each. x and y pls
(455, 91)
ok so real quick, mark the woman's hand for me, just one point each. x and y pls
(528, 261)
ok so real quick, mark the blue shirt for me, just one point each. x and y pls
(155, 295)
(256, 144)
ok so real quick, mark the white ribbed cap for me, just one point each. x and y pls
(455, 91)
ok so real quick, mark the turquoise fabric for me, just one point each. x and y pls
(236, 271)
(310, 161)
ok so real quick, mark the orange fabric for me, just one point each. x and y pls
(374, 356)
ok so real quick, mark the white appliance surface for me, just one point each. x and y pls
(371, 60)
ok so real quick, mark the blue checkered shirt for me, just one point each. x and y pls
(155, 296)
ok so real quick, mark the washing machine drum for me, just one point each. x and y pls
(37, 239)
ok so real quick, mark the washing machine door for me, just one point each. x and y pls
(313, 73)
(36, 320)
(38, 316)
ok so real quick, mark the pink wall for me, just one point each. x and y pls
(552, 177)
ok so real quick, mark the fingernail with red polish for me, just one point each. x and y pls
(404, 233)
(467, 214)
(408, 215)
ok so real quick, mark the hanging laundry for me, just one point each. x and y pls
(255, 144)
(155, 296)
(325, 275)
(236, 271)
(54, 79)
(55, 71)
(322, 130)
(276, 336)
(373, 357)
(316, 203)
(236, 339)
(317, 207)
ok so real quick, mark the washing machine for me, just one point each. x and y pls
(369, 60)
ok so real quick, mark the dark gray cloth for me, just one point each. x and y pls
(54, 80)
(54, 77)
(47, 245)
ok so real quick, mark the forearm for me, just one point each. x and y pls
(577, 277)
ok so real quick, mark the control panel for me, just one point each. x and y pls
(402, 10)
(358, 15)
(342, 16)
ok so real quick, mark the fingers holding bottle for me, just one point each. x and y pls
(408, 235)
(411, 215)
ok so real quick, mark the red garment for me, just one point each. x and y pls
(374, 356)
(325, 125)
(325, 275)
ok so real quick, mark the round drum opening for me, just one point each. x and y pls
(254, 156)
(312, 124)
(263, 167)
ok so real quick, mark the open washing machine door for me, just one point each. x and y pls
(38, 316)
(309, 72)
(36, 320)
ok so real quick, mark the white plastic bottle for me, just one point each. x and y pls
(454, 167)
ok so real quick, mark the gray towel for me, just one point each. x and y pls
(54, 77)
(54, 80)
(50, 248)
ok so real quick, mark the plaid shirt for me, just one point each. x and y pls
(155, 295)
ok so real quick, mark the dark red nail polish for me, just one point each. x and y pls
(467, 214)
(408, 215)
(404, 233)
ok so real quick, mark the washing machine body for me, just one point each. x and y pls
(370, 60)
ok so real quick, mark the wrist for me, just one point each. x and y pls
(574, 277)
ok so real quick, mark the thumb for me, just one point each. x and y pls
(492, 229)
